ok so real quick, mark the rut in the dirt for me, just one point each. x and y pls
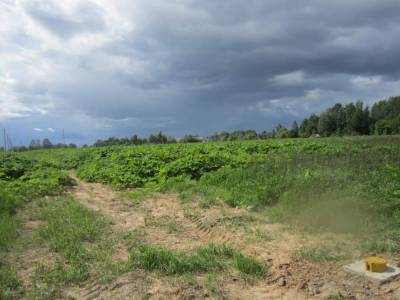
(125, 216)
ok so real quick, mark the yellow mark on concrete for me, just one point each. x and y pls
(375, 264)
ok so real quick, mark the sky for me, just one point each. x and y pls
(121, 67)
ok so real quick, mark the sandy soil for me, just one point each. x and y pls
(181, 225)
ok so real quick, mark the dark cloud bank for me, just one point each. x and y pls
(117, 68)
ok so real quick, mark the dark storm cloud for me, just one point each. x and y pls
(202, 66)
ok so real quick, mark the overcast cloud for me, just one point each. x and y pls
(101, 68)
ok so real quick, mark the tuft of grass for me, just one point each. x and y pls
(8, 230)
(211, 282)
(9, 282)
(138, 194)
(211, 258)
(262, 235)
(175, 227)
(249, 266)
(337, 296)
(165, 221)
(236, 221)
(319, 254)
(79, 234)
(43, 293)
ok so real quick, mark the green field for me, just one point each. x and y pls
(345, 186)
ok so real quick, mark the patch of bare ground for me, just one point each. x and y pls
(28, 255)
(181, 225)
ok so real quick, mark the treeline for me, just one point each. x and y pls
(352, 119)
(355, 119)
(158, 138)
(38, 144)
(383, 118)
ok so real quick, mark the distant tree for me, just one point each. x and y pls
(135, 140)
(326, 124)
(281, 132)
(171, 140)
(46, 144)
(98, 143)
(294, 131)
(303, 130)
(158, 138)
(385, 116)
(35, 144)
(309, 126)
(332, 121)
(266, 134)
(190, 139)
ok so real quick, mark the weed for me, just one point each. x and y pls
(248, 266)
(78, 234)
(138, 195)
(211, 258)
(9, 282)
(337, 296)
(319, 254)
(8, 230)
(211, 282)
(175, 227)
(263, 236)
(236, 221)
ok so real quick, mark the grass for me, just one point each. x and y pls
(263, 236)
(8, 230)
(211, 258)
(237, 221)
(138, 195)
(320, 254)
(80, 235)
(167, 222)
(338, 296)
(356, 192)
(9, 282)
(174, 227)
(249, 266)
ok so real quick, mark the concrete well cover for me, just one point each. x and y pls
(358, 268)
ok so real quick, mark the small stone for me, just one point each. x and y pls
(303, 285)
(282, 281)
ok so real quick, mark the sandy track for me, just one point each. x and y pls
(289, 277)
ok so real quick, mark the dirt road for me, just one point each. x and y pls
(182, 225)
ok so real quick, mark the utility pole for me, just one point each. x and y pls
(63, 137)
(5, 140)
(9, 143)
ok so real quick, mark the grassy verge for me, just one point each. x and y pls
(209, 259)
(21, 181)
(80, 235)
(9, 282)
